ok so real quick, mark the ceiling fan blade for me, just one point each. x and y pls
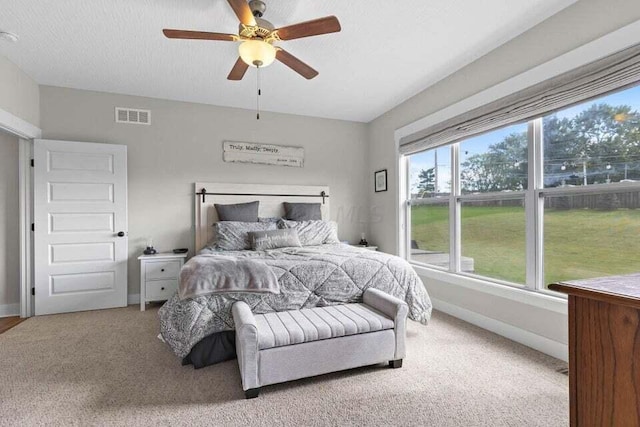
(243, 12)
(197, 35)
(295, 64)
(238, 70)
(329, 24)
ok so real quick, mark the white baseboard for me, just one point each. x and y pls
(537, 342)
(133, 299)
(7, 310)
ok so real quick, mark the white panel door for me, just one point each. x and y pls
(80, 235)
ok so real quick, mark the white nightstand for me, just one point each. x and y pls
(159, 275)
(371, 248)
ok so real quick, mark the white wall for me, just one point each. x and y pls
(19, 94)
(184, 145)
(578, 24)
(9, 225)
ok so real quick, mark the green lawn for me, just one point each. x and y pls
(579, 243)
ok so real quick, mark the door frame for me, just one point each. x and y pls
(26, 219)
(26, 133)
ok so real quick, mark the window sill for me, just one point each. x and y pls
(553, 303)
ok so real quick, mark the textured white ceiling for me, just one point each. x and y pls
(388, 50)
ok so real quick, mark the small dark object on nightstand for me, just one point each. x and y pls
(181, 251)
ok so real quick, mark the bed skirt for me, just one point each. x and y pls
(215, 348)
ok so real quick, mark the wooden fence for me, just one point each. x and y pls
(626, 200)
(623, 200)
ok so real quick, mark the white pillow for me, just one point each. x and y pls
(273, 239)
(234, 236)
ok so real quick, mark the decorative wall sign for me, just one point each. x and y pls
(249, 152)
(380, 180)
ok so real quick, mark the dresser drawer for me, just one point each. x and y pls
(158, 270)
(158, 290)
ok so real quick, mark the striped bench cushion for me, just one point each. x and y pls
(312, 324)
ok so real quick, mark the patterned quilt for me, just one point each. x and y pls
(310, 276)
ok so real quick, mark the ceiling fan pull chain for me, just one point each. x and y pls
(259, 93)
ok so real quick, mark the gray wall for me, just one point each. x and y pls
(184, 145)
(9, 222)
(19, 94)
(578, 24)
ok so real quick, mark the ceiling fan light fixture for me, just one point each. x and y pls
(257, 53)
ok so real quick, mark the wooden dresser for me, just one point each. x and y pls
(604, 350)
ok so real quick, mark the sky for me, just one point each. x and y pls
(480, 143)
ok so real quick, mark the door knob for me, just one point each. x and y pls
(120, 233)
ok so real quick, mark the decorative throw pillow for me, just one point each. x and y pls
(302, 211)
(272, 239)
(234, 236)
(239, 212)
(313, 233)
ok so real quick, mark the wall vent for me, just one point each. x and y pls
(133, 116)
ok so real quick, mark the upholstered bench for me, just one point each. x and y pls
(289, 345)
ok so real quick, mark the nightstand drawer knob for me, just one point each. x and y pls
(162, 269)
(162, 288)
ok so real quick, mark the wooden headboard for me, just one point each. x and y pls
(270, 197)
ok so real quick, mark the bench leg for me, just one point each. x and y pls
(252, 393)
(395, 364)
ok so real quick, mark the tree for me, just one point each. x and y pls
(603, 139)
(598, 139)
(502, 167)
(559, 153)
(427, 182)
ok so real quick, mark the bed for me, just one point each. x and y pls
(199, 329)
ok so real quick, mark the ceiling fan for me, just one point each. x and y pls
(258, 37)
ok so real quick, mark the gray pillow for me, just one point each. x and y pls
(234, 236)
(239, 212)
(302, 211)
(269, 219)
(313, 233)
(272, 239)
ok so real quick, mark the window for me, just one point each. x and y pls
(591, 235)
(591, 219)
(493, 239)
(430, 190)
(495, 161)
(557, 198)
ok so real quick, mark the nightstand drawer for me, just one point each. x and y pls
(157, 270)
(161, 289)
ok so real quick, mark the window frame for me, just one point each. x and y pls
(598, 48)
(534, 202)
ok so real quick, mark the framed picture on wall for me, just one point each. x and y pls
(380, 180)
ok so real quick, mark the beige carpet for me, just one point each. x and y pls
(107, 367)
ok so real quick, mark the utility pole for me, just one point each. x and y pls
(435, 188)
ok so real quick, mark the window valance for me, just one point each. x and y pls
(608, 74)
